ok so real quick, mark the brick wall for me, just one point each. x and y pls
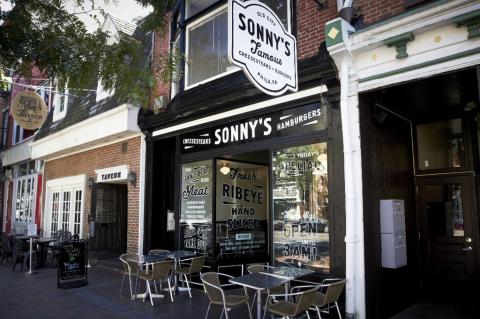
(87, 162)
(160, 51)
(311, 24)
(377, 10)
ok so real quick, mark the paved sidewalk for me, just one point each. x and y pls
(37, 296)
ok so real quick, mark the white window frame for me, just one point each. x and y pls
(57, 114)
(174, 86)
(30, 203)
(70, 184)
(205, 18)
(194, 24)
(14, 133)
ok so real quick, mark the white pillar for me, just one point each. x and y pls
(141, 195)
(355, 263)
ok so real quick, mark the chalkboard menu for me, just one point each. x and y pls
(72, 264)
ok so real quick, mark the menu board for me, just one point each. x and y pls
(300, 197)
(196, 206)
(241, 209)
(72, 264)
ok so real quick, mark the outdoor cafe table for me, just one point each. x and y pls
(288, 273)
(144, 261)
(259, 282)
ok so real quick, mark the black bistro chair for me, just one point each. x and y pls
(5, 247)
(20, 253)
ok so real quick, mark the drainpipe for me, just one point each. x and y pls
(355, 263)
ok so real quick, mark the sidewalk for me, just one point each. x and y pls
(37, 296)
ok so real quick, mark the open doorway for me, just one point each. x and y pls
(420, 145)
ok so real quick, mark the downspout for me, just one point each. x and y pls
(354, 245)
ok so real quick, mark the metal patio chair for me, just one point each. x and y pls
(193, 268)
(289, 305)
(130, 270)
(216, 295)
(328, 296)
(5, 247)
(157, 272)
(256, 268)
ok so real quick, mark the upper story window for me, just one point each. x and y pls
(206, 39)
(60, 103)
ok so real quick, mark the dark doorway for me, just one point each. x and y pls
(109, 212)
(446, 210)
(434, 124)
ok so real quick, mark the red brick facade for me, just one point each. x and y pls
(87, 162)
(377, 10)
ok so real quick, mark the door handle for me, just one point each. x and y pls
(469, 248)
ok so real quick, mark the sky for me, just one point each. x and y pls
(127, 10)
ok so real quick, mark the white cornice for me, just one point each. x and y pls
(422, 21)
(120, 122)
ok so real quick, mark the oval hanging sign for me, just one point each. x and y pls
(260, 45)
(29, 110)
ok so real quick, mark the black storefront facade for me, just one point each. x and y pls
(243, 177)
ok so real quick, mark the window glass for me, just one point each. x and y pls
(208, 48)
(193, 7)
(207, 42)
(445, 210)
(281, 10)
(300, 197)
(440, 145)
(241, 209)
(196, 207)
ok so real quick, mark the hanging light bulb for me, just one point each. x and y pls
(225, 169)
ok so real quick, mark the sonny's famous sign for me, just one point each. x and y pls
(260, 45)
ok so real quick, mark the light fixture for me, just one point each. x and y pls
(132, 178)
(225, 169)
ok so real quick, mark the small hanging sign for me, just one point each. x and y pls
(29, 110)
(260, 45)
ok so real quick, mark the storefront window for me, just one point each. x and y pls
(25, 198)
(196, 207)
(241, 209)
(300, 197)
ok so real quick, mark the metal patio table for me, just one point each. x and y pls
(288, 273)
(259, 282)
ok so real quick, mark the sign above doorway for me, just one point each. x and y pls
(259, 44)
(117, 174)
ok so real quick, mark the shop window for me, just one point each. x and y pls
(241, 209)
(300, 196)
(196, 207)
(207, 41)
(64, 205)
(17, 133)
(440, 145)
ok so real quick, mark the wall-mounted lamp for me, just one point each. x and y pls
(225, 169)
(89, 182)
(132, 178)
